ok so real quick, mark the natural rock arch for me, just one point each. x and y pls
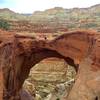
(18, 53)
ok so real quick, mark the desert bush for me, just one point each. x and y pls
(4, 25)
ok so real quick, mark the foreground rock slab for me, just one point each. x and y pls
(19, 53)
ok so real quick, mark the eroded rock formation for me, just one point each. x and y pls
(18, 53)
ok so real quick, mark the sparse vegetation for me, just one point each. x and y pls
(4, 25)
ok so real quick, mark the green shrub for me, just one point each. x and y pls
(4, 25)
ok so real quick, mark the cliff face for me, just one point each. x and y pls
(27, 26)
(18, 53)
(54, 20)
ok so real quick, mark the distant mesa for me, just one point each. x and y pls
(6, 10)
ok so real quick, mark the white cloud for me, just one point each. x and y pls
(29, 6)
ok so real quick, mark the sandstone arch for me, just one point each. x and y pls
(18, 53)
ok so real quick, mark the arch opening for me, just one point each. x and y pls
(51, 78)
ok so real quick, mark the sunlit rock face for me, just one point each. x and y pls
(49, 68)
(19, 53)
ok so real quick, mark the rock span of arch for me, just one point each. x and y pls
(18, 53)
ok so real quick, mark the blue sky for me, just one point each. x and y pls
(29, 6)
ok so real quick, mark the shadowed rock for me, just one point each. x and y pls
(25, 95)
